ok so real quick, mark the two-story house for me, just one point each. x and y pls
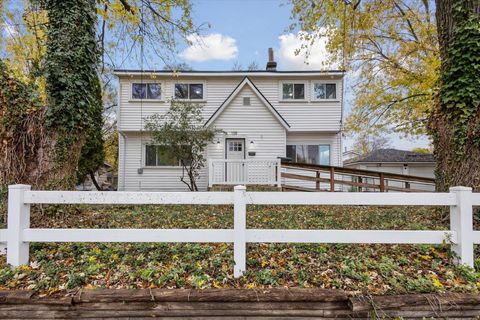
(263, 115)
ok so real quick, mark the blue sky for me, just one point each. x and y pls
(254, 24)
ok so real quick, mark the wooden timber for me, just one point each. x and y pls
(293, 303)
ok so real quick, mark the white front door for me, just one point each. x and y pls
(235, 171)
(235, 149)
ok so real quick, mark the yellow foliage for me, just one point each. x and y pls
(391, 49)
(24, 44)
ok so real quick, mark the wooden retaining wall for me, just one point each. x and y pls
(292, 303)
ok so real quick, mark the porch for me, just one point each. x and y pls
(291, 176)
(244, 172)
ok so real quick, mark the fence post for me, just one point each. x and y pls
(279, 173)
(332, 179)
(239, 229)
(210, 173)
(18, 219)
(461, 221)
(382, 182)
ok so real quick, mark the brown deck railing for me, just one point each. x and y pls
(331, 178)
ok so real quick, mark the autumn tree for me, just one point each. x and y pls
(455, 120)
(53, 52)
(365, 144)
(390, 47)
(412, 80)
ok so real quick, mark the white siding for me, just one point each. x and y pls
(310, 115)
(152, 179)
(301, 116)
(254, 123)
(427, 170)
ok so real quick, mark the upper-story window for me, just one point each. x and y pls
(293, 91)
(324, 91)
(190, 91)
(147, 91)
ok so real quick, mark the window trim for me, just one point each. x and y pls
(144, 158)
(313, 144)
(280, 90)
(162, 91)
(312, 90)
(189, 82)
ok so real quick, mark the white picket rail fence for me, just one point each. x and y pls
(461, 200)
(244, 172)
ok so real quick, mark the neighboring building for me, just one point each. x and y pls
(395, 161)
(264, 115)
(104, 177)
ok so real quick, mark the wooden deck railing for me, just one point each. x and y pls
(331, 178)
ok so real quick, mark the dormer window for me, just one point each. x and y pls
(189, 91)
(293, 91)
(152, 91)
(324, 91)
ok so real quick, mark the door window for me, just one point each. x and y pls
(235, 146)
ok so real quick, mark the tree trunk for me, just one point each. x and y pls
(40, 143)
(94, 180)
(455, 120)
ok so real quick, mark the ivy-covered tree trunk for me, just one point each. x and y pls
(455, 121)
(41, 143)
(71, 85)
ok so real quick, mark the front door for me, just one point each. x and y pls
(235, 169)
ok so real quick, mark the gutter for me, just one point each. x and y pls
(119, 73)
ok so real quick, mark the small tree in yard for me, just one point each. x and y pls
(184, 137)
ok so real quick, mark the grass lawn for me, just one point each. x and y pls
(376, 269)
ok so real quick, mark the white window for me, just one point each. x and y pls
(324, 91)
(293, 91)
(151, 91)
(189, 91)
(313, 154)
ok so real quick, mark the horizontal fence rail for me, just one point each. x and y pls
(461, 236)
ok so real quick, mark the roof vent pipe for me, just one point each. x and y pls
(271, 64)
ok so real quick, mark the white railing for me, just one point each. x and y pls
(244, 172)
(18, 235)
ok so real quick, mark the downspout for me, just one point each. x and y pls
(124, 137)
(341, 120)
(120, 133)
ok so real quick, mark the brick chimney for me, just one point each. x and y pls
(271, 64)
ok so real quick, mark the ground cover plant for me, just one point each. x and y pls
(373, 269)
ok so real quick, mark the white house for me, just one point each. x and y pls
(264, 115)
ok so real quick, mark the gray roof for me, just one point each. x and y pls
(394, 155)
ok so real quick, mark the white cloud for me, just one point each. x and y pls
(316, 60)
(214, 46)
